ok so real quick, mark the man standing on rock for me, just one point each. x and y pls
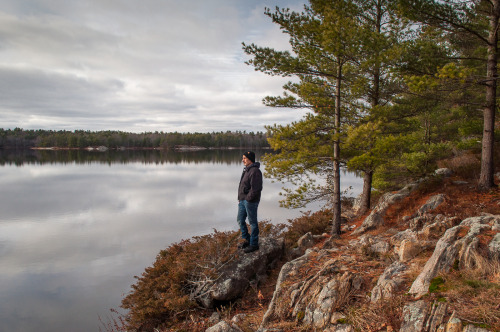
(249, 197)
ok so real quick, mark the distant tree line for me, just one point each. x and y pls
(21, 138)
(20, 157)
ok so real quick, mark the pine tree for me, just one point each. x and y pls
(324, 44)
(465, 24)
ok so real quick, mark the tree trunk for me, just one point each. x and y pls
(336, 160)
(366, 195)
(486, 180)
(375, 101)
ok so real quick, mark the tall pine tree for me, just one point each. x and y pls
(324, 44)
(467, 23)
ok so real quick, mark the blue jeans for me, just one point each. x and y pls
(248, 209)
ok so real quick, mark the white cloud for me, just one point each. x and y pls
(136, 66)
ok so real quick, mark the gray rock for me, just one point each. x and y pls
(214, 318)
(306, 241)
(372, 244)
(482, 221)
(436, 228)
(416, 223)
(407, 234)
(441, 260)
(376, 217)
(236, 276)
(414, 314)
(356, 206)
(223, 326)
(496, 225)
(494, 247)
(450, 248)
(446, 172)
(325, 296)
(388, 282)
(312, 300)
(454, 324)
(437, 316)
(431, 204)
(288, 269)
(472, 328)
(380, 247)
(408, 249)
(340, 328)
(336, 316)
(238, 318)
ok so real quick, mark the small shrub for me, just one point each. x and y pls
(317, 223)
(164, 291)
(466, 165)
(436, 285)
(268, 229)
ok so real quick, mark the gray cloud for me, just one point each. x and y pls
(136, 66)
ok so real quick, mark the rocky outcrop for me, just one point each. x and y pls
(288, 270)
(313, 300)
(420, 316)
(389, 282)
(235, 278)
(376, 217)
(316, 299)
(315, 288)
(458, 246)
(423, 234)
(371, 245)
(333, 293)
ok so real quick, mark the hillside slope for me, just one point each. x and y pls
(425, 258)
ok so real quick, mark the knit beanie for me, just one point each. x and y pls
(250, 155)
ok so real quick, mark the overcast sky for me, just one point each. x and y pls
(137, 65)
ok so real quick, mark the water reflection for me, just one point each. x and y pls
(27, 156)
(75, 230)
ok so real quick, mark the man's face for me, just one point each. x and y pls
(246, 161)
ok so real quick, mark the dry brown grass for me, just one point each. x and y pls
(383, 316)
(466, 165)
(474, 296)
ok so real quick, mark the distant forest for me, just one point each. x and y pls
(20, 138)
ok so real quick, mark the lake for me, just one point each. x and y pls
(77, 226)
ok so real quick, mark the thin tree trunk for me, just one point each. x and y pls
(367, 193)
(375, 101)
(486, 180)
(336, 159)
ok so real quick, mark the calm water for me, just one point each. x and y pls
(76, 226)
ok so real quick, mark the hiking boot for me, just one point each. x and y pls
(243, 245)
(250, 249)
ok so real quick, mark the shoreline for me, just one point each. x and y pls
(103, 148)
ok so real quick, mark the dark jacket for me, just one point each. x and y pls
(250, 183)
